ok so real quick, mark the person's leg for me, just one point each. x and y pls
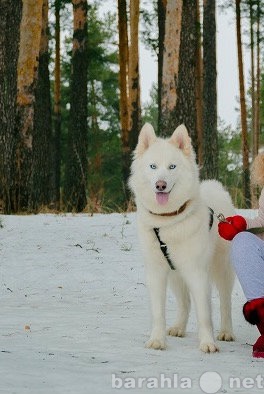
(247, 256)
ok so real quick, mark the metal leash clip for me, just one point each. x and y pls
(222, 218)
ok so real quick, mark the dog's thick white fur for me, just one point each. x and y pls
(164, 176)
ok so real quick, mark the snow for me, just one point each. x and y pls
(75, 316)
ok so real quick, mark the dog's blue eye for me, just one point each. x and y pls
(172, 166)
(153, 166)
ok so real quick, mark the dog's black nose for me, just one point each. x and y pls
(161, 185)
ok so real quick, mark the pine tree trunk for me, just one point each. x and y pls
(162, 4)
(42, 129)
(186, 103)
(56, 138)
(243, 110)
(253, 188)
(76, 167)
(258, 77)
(170, 67)
(178, 79)
(252, 61)
(210, 135)
(134, 80)
(123, 83)
(28, 61)
(199, 88)
(10, 16)
(256, 111)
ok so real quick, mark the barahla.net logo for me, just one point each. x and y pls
(162, 381)
(210, 382)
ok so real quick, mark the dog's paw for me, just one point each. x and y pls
(209, 347)
(156, 344)
(226, 336)
(176, 331)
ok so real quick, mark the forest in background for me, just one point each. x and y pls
(70, 106)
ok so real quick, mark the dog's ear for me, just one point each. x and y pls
(146, 137)
(181, 139)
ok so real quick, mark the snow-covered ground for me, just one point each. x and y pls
(75, 315)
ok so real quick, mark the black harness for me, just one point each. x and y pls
(164, 248)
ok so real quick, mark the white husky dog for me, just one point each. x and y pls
(171, 199)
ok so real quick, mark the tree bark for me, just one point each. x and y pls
(28, 61)
(178, 79)
(10, 16)
(75, 191)
(199, 88)
(254, 148)
(134, 79)
(162, 4)
(186, 103)
(258, 89)
(123, 84)
(243, 110)
(252, 61)
(210, 135)
(56, 138)
(42, 127)
(170, 67)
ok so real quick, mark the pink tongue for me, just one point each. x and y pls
(162, 198)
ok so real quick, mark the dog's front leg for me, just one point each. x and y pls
(157, 284)
(198, 283)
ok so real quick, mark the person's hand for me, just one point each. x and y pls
(232, 225)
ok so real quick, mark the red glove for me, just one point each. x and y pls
(235, 225)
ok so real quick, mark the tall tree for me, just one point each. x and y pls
(243, 109)
(210, 136)
(254, 198)
(199, 87)
(123, 83)
(129, 81)
(10, 16)
(171, 60)
(42, 127)
(178, 73)
(28, 61)
(134, 79)
(56, 149)
(76, 172)
(162, 4)
(258, 77)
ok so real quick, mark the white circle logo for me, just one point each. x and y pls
(210, 382)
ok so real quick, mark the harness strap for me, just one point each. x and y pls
(163, 246)
(211, 220)
(164, 249)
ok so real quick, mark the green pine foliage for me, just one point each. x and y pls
(230, 162)
(150, 110)
(105, 187)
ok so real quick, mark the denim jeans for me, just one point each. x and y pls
(247, 257)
